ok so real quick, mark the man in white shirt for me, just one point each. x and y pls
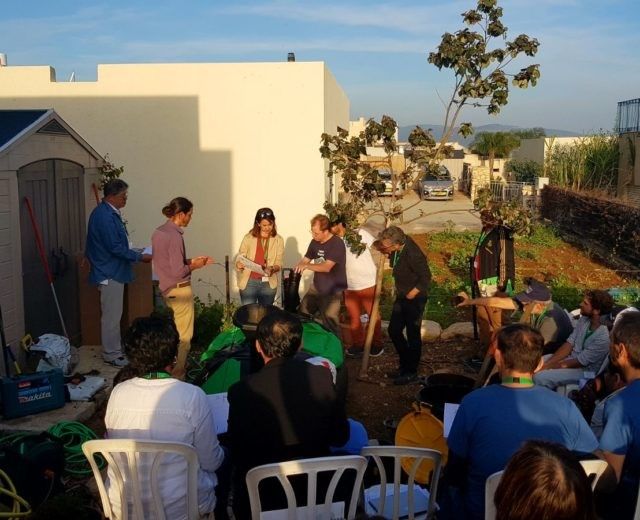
(360, 293)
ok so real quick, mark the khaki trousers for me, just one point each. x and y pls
(180, 301)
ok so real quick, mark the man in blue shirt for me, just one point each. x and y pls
(493, 422)
(620, 440)
(110, 254)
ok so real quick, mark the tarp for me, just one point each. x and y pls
(229, 350)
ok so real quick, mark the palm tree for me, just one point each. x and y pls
(495, 144)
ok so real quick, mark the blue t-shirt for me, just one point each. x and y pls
(621, 434)
(493, 422)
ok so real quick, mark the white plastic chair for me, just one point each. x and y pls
(310, 467)
(594, 467)
(419, 455)
(125, 467)
(489, 490)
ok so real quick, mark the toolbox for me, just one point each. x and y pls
(32, 393)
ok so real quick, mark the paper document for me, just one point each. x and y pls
(336, 513)
(450, 411)
(251, 265)
(220, 409)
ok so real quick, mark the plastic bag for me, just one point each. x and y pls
(58, 352)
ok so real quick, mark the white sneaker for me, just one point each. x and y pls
(118, 362)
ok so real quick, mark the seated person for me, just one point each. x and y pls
(152, 405)
(538, 310)
(492, 422)
(593, 396)
(544, 480)
(288, 410)
(585, 350)
(620, 440)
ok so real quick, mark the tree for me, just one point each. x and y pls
(530, 133)
(478, 55)
(495, 144)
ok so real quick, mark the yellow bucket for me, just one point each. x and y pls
(420, 429)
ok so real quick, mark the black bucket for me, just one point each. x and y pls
(444, 388)
(247, 318)
(290, 288)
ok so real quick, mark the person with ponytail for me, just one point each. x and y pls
(265, 247)
(173, 269)
(150, 404)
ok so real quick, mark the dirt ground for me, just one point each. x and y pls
(376, 399)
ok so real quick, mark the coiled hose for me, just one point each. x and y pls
(73, 435)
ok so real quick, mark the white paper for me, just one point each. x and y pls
(251, 265)
(220, 409)
(450, 411)
(336, 512)
(372, 500)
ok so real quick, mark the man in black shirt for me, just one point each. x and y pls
(412, 279)
(326, 257)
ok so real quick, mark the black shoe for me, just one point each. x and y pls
(376, 351)
(353, 352)
(405, 379)
(394, 374)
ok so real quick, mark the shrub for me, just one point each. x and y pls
(523, 171)
(209, 317)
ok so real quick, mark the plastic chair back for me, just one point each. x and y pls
(594, 467)
(490, 490)
(310, 467)
(406, 457)
(123, 457)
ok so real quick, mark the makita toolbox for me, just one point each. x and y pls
(32, 393)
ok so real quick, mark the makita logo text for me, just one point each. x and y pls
(34, 397)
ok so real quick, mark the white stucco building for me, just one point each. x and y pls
(232, 137)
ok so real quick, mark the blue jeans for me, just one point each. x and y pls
(257, 291)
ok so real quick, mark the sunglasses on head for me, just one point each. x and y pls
(265, 214)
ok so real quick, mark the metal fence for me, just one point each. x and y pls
(521, 192)
(628, 117)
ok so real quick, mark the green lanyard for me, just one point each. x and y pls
(519, 380)
(157, 375)
(537, 321)
(396, 257)
(265, 247)
(587, 335)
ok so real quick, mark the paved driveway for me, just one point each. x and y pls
(437, 215)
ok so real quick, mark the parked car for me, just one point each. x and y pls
(437, 185)
(385, 185)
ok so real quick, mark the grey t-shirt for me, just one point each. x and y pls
(555, 326)
(334, 281)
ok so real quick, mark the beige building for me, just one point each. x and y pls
(537, 149)
(232, 137)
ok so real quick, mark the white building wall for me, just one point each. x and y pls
(231, 137)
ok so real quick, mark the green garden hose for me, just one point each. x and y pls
(73, 435)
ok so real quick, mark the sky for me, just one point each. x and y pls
(376, 50)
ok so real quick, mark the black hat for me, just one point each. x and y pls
(536, 291)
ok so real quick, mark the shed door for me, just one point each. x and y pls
(55, 189)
